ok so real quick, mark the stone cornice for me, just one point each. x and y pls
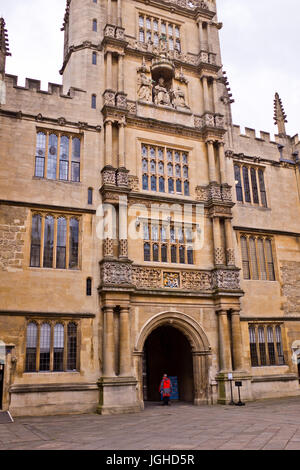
(54, 315)
(266, 231)
(38, 206)
(60, 121)
(182, 7)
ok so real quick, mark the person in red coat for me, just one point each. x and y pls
(166, 389)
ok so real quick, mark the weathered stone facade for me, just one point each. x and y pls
(101, 292)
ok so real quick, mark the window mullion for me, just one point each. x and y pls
(55, 242)
(46, 155)
(51, 346)
(68, 243)
(65, 346)
(266, 258)
(257, 345)
(58, 156)
(42, 241)
(38, 347)
(267, 345)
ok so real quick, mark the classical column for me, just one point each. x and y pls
(229, 243)
(237, 346)
(109, 70)
(215, 95)
(205, 94)
(121, 73)
(119, 13)
(211, 161)
(222, 163)
(219, 255)
(201, 37)
(108, 343)
(108, 142)
(122, 144)
(224, 342)
(125, 353)
(123, 230)
(109, 15)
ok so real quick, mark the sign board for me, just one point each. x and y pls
(230, 376)
(238, 384)
(175, 392)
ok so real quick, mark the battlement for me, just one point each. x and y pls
(34, 85)
(262, 136)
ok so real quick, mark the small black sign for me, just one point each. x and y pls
(238, 384)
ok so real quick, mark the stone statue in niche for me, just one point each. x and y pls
(178, 98)
(161, 94)
(145, 88)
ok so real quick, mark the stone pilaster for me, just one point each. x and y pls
(108, 343)
(237, 346)
(125, 353)
(224, 342)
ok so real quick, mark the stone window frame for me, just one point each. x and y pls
(56, 216)
(150, 33)
(59, 134)
(254, 266)
(184, 166)
(263, 352)
(66, 350)
(250, 184)
(171, 246)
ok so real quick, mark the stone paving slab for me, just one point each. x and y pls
(263, 425)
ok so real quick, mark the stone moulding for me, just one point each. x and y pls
(117, 274)
(214, 193)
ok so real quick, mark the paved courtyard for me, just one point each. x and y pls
(268, 425)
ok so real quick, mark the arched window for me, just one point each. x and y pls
(245, 258)
(262, 346)
(145, 182)
(161, 184)
(178, 186)
(164, 254)
(173, 254)
(52, 156)
(263, 194)
(58, 348)
(48, 242)
(31, 346)
(95, 25)
(279, 346)
(64, 158)
(147, 254)
(171, 185)
(246, 184)
(186, 188)
(238, 183)
(89, 286)
(61, 243)
(94, 101)
(35, 252)
(253, 258)
(72, 347)
(155, 252)
(45, 347)
(90, 196)
(40, 155)
(74, 234)
(76, 159)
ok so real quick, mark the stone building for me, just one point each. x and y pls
(140, 231)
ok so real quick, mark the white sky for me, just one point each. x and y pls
(260, 52)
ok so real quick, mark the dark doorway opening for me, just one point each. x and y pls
(1, 384)
(167, 351)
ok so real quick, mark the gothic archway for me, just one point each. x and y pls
(193, 367)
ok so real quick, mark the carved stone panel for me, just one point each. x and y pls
(116, 274)
(225, 279)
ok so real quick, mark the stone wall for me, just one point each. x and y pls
(291, 287)
(12, 233)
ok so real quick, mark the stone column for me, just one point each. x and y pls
(237, 346)
(205, 94)
(119, 13)
(109, 70)
(229, 243)
(108, 343)
(211, 161)
(125, 353)
(215, 96)
(108, 142)
(121, 73)
(209, 37)
(123, 232)
(109, 14)
(201, 37)
(122, 145)
(224, 342)
(219, 255)
(222, 163)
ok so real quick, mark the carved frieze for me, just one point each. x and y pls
(209, 120)
(122, 177)
(196, 280)
(225, 279)
(109, 176)
(133, 183)
(114, 273)
(149, 278)
(109, 98)
(230, 257)
(121, 100)
(219, 256)
(108, 249)
(123, 248)
(214, 193)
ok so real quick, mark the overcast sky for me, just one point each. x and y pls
(260, 52)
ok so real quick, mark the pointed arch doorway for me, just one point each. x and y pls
(168, 351)
(175, 344)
